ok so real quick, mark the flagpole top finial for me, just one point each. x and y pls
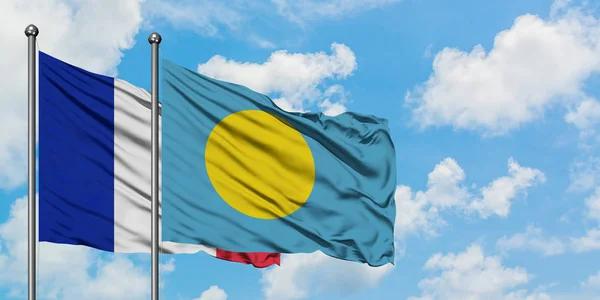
(154, 38)
(31, 30)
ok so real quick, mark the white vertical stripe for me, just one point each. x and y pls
(132, 174)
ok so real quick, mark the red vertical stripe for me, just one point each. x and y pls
(257, 259)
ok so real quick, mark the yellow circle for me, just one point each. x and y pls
(259, 164)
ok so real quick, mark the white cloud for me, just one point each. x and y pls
(559, 6)
(301, 11)
(261, 42)
(443, 185)
(164, 269)
(420, 211)
(213, 293)
(592, 204)
(472, 275)
(118, 278)
(427, 53)
(167, 267)
(525, 295)
(497, 195)
(331, 109)
(65, 271)
(533, 65)
(301, 275)
(593, 282)
(69, 30)
(296, 77)
(201, 16)
(415, 214)
(589, 242)
(585, 174)
(335, 100)
(287, 105)
(585, 116)
(532, 239)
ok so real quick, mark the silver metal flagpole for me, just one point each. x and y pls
(31, 32)
(154, 39)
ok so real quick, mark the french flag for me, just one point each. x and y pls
(95, 163)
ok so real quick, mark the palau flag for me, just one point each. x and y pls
(241, 174)
(95, 165)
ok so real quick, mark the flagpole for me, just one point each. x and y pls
(154, 39)
(31, 32)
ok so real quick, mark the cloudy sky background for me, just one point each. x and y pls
(493, 106)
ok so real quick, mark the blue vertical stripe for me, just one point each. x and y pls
(76, 155)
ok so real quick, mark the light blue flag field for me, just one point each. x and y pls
(241, 174)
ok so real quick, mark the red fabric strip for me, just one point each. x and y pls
(257, 259)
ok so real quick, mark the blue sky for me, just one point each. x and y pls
(493, 108)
